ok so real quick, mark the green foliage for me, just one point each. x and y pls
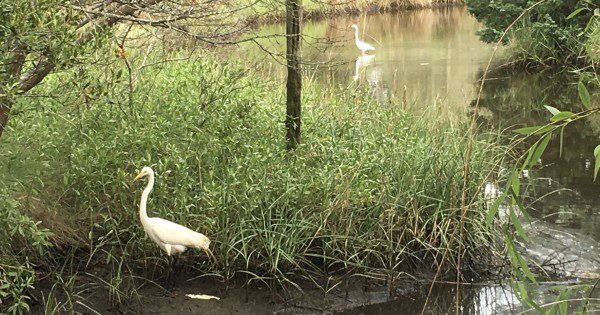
(523, 278)
(372, 189)
(21, 240)
(553, 31)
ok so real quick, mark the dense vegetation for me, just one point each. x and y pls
(372, 189)
(553, 31)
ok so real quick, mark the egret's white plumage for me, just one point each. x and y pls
(170, 237)
(362, 46)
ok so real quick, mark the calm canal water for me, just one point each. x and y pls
(433, 58)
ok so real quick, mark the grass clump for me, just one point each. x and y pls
(373, 189)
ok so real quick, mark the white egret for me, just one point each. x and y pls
(362, 46)
(171, 237)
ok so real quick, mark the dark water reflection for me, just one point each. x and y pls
(562, 190)
(487, 299)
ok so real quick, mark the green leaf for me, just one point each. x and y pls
(534, 130)
(514, 182)
(527, 162)
(584, 95)
(517, 224)
(597, 162)
(541, 148)
(574, 13)
(562, 116)
(561, 308)
(562, 133)
(489, 217)
(518, 202)
(517, 260)
(552, 110)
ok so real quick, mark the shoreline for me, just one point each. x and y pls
(319, 12)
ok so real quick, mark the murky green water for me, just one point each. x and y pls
(429, 57)
(432, 58)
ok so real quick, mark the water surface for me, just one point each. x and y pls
(429, 57)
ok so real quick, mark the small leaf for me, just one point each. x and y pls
(574, 13)
(517, 224)
(514, 183)
(562, 116)
(518, 202)
(584, 95)
(552, 110)
(541, 148)
(528, 130)
(534, 130)
(489, 217)
(597, 162)
(527, 163)
(562, 133)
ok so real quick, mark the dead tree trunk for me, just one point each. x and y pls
(294, 80)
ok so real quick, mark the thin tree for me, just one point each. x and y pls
(294, 75)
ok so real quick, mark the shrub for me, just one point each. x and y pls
(552, 32)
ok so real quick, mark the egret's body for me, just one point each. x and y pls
(171, 237)
(362, 46)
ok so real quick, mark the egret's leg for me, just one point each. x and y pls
(172, 266)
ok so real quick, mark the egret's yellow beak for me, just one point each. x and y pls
(140, 175)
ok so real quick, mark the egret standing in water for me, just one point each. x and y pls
(171, 237)
(362, 46)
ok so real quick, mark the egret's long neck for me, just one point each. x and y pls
(356, 35)
(144, 201)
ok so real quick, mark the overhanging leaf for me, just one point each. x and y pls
(552, 110)
(562, 133)
(534, 130)
(517, 224)
(584, 95)
(562, 116)
(597, 162)
(540, 148)
(489, 217)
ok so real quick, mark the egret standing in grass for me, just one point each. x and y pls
(171, 237)
(362, 46)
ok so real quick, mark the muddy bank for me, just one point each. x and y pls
(356, 296)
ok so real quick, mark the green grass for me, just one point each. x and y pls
(373, 188)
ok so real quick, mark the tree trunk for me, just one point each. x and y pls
(5, 105)
(294, 80)
(13, 70)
